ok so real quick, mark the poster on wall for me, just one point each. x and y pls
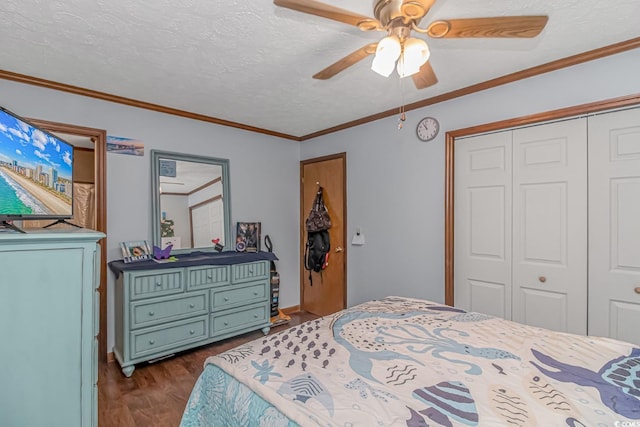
(120, 145)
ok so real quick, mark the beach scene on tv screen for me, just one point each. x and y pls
(35, 171)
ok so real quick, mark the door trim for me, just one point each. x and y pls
(303, 216)
(449, 170)
(99, 138)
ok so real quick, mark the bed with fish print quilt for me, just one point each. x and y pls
(409, 362)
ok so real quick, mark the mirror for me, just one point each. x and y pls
(191, 201)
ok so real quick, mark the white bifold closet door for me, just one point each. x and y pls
(520, 221)
(482, 218)
(614, 225)
(550, 226)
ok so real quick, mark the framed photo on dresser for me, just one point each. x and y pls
(134, 251)
(248, 237)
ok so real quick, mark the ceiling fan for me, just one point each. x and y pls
(398, 18)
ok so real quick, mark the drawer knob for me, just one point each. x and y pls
(151, 313)
(226, 323)
(158, 284)
(637, 290)
(209, 277)
(152, 342)
(542, 279)
(226, 299)
(255, 293)
(191, 332)
(255, 316)
(192, 305)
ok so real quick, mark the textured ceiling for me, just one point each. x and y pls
(251, 62)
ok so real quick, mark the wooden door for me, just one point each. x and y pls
(99, 139)
(550, 226)
(482, 218)
(614, 225)
(326, 292)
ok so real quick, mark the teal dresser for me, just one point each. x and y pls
(161, 309)
(49, 321)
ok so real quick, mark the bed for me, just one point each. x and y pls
(410, 362)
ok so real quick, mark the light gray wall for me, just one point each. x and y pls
(264, 172)
(396, 183)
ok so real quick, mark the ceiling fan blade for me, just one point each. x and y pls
(503, 26)
(425, 77)
(331, 12)
(416, 9)
(346, 62)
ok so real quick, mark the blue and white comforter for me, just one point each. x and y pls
(409, 362)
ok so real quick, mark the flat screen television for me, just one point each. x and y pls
(36, 172)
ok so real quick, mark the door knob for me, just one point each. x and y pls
(339, 249)
(542, 279)
(637, 290)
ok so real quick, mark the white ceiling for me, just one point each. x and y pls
(251, 62)
(189, 177)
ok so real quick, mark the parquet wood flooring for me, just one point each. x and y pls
(157, 393)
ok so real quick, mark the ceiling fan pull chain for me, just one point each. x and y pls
(402, 118)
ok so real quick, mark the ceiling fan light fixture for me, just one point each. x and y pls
(387, 52)
(383, 66)
(415, 54)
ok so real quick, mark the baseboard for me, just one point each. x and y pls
(288, 310)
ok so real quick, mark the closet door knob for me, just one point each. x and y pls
(542, 279)
(637, 290)
(339, 249)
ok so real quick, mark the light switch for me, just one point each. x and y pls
(358, 238)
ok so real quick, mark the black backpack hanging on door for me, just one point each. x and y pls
(316, 254)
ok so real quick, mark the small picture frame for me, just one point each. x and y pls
(248, 237)
(135, 251)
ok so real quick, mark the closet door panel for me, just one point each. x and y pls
(482, 246)
(543, 225)
(553, 305)
(614, 225)
(550, 226)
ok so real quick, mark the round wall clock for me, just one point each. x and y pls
(427, 129)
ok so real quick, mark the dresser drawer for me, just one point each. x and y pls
(249, 271)
(96, 313)
(222, 323)
(222, 298)
(207, 276)
(94, 386)
(166, 309)
(147, 284)
(168, 336)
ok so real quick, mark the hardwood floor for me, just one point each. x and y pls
(156, 394)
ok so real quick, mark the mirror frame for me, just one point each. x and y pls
(156, 210)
